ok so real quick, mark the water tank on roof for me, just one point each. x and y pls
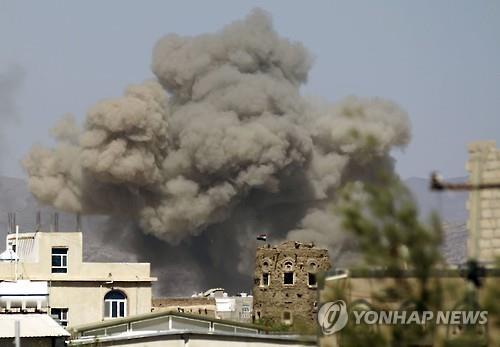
(23, 294)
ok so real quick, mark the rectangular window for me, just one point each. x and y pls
(60, 314)
(114, 309)
(59, 260)
(265, 279)
(312, 280)
(287, 317)
(288, 278)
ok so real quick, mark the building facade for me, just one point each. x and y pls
(484, 205)
(236, 308)
(79, 292)
(203, 306)
(285, 283)
(214, 303)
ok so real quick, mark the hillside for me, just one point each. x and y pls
(14, 197)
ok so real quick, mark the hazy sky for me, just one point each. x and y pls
(440, 60)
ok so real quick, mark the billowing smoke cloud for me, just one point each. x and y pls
(220, 147)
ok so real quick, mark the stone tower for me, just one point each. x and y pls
(484, 205)
(285, 283)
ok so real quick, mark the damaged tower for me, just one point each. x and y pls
(285, 283)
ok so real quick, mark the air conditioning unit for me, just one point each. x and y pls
(24, 295)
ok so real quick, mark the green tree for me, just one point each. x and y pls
(383, 219)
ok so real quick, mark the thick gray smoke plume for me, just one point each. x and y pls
(221, 147)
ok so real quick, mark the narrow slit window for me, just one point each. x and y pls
(265, 279)
(288, 278)
(312, 282)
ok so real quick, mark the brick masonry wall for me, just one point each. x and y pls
(300, 299)
(484, 206)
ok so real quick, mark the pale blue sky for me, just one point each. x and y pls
(440, 60)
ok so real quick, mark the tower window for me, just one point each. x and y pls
(265, 279)
(288, 278)
(311, 280)
(286, 318)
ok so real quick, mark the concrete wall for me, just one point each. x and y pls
(195, 305)
(484, 206)
(236, 313)
(34, 342)
(299, 299)
(85, 300)
(198, 341)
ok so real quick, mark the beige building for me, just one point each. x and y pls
(79, 292)
(484, 205)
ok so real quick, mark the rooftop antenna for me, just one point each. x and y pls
(78, 222)
(55, 222)
(9, 222)
(17, 333)
(38, 221)
(16, 251)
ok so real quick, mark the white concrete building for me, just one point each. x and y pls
(236, 308)
(78, 292)
(167, 329)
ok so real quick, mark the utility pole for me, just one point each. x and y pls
(17, 333)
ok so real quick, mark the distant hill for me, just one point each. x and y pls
(15, 197)
(449, 205)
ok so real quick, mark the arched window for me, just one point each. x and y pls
(115, 304)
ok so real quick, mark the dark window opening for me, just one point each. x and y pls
(287, 317)
(288, 278)
(60, 314)
(312, 280)
(265, 279)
